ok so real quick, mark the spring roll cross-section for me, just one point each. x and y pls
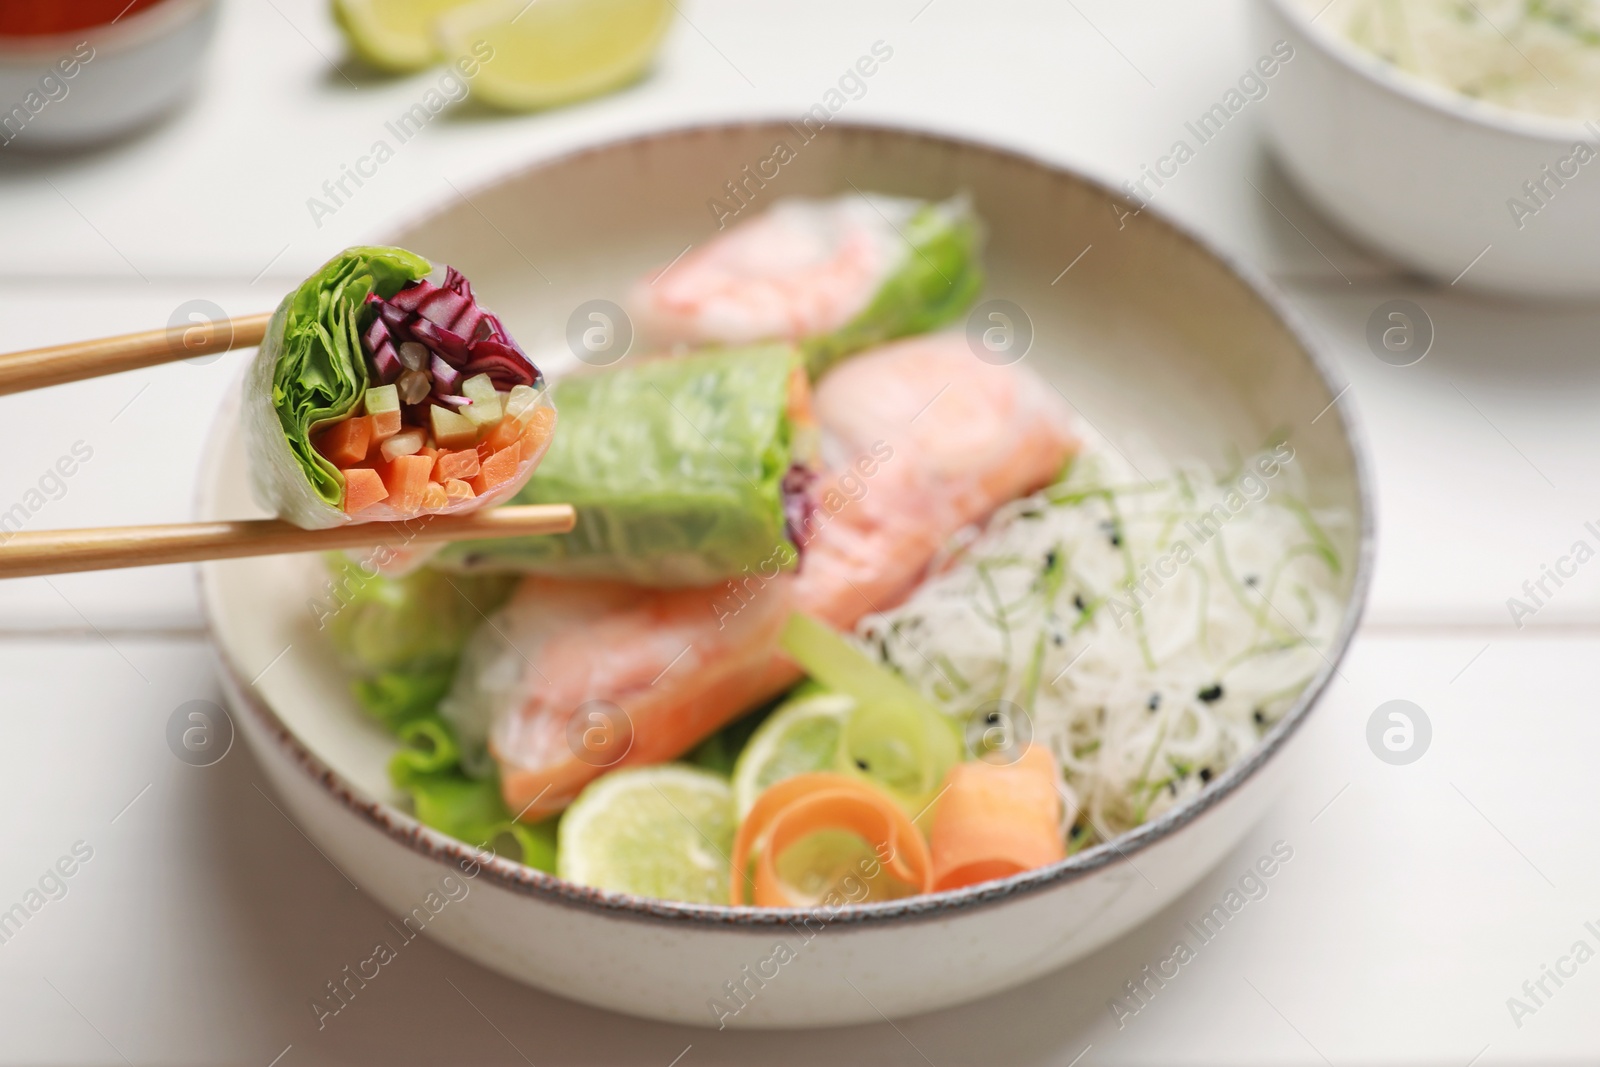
(379, 396)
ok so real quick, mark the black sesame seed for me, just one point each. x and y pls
(1212, 694)
(1155, 701)
(1258, 717)
(1205, 774)
(992, 718)
(1059, 640)
(862, 764)
(1251, 580)
(1050, 559)
(1077, 602)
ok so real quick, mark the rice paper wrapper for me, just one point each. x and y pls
(676, 468)
(835, 276)
(281, 476)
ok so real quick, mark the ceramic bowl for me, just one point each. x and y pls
(1153, 336)
(1427, 176)
(94, 84)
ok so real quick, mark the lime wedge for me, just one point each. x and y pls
(394, 35)
(538, 53)
(801, 735)
(663, 831)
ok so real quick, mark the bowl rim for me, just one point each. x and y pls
(160, 18)
(1430, 95)
(406, 830)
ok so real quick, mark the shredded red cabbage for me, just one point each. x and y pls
(463, 340)
(799, 501)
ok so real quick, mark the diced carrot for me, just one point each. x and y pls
(456, 490)
(462, 465)
(362, 489)
(536, 435)
(345, 443)
(994, 821)
(795, 808)
(484, 451)
(497, 469)
(429, 451)
(385, 424)
(407, 479)
(434, 497)
(505, 432)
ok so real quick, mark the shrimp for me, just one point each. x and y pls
(804, 268)
(924, 439)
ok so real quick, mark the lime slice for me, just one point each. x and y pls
(663, 831)
(538, 53)
(395, 35)
(839, 865)
(800, 736)
(900, 739)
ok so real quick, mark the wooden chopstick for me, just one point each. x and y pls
(65, 551)
(39, 367)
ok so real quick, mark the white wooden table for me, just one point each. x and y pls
(1419, 898)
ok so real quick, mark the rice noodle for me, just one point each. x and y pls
(1144, 692)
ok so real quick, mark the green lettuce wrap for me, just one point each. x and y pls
(683, 471)
(832, 276)
(366, 372)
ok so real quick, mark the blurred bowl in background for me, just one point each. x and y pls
(87, 85)
(1428, 176)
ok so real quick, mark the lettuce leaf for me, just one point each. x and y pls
(468, 809)
(939, 278)
(401, 638)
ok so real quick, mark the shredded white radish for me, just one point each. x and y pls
(1147, 691)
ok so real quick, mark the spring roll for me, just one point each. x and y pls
(834, 276)
(683, 472)
(378, 395)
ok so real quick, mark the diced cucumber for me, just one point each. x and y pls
(521, 401)
(381, 398)
(479, 388)
(485, 409)
(451, 430)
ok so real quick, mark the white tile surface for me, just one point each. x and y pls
(1415, 903)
